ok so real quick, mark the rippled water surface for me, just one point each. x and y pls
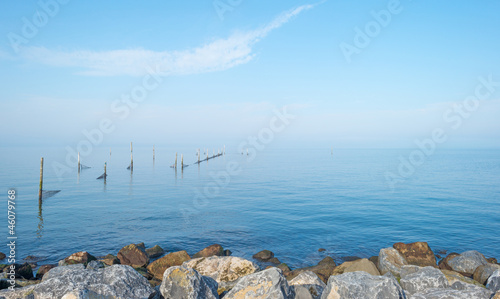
(289, 201)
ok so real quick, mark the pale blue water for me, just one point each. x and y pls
(289, 201)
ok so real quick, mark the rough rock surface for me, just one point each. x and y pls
(184, 282)
(458, 290)
(357, 265)
(263, 255)
(116, 281)
(484, 272)
(222, 268)
(172, 259)
(323, 269)
(362, 285)
(133, 255)
(416, 279)
(453, 277)
(110, 260)
(493, 282)
(417, 253)
(269, 284)
(467, 262)
(154, 252)
(212, 250)
(301, 292)
(311, 282)
(390, 260)
(82, 257)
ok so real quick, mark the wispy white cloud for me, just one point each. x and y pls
(221, 54)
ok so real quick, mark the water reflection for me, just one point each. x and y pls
(130, 189)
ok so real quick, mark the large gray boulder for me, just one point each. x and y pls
(362, 285)
(187, 283)
(222, 268)
(493, 282)
(311, 282)
(416, 279)
(467, 262)
(117, 281)
(270, 283)
(390, 260)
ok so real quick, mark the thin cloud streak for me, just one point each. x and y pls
(218, 55)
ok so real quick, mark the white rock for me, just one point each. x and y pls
(270, 284)
(416, 279)
(222, 268)
(117, 281)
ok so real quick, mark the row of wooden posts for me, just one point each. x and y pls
(131, 166)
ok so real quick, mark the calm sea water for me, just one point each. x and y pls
(289, 201)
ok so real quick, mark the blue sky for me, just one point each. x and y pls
(224, 71)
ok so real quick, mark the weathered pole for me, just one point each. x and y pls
(198, 156)
(41, 182)
(153, 151)
(175, 164)
(105, 171)
(182, 161)
(78, 161)
(131, 158)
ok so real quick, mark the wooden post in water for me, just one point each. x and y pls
(198, 156)
(153, 152)
(224, 151)
(131, 158)
(182, 161)
(175, 164)
(105, 172)
(247, 151)
(41, 182)
(78, 161)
